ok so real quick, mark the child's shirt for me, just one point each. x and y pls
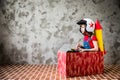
(88, 41)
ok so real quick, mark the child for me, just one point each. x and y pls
(87, 27)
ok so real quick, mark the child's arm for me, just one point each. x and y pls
(92, 49)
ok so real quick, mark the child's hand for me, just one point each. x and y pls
(78, 46)
(82, 50)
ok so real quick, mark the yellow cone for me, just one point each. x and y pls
(98, 33)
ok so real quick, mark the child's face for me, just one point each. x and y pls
(82, 28)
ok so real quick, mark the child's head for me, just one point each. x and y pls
(83, 25)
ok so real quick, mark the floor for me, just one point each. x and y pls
(49, 72)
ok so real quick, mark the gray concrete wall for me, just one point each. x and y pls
(32, 31)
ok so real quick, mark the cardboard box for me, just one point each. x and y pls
(80, 63)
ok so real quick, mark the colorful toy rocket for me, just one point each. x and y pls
(98, 33)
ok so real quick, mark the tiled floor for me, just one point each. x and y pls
(49, 72)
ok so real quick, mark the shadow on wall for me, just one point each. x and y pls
(4, 59)
(116, 46)
(4, 32)
(114, 21)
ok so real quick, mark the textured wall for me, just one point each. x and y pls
(32, 31)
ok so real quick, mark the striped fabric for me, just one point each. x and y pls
(49, 72)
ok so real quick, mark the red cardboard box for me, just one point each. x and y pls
(80, 63)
